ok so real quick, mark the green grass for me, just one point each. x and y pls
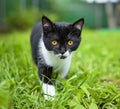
(93, 80)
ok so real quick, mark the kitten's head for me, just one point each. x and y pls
(61, 38)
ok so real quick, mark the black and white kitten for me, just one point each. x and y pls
(52, 46)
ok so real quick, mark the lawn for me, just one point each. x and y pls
(93, 80)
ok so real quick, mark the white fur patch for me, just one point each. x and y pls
(78, 27)
(59, 55)
(66, 54)
(45, 25)
(49, 91)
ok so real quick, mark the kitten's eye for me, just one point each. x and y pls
(54, 43)
(70, 43)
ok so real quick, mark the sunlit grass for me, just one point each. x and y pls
(93, 80)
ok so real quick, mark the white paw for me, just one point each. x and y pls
(49, 91)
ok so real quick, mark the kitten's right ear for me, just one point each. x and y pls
(79, 24)
(47, 24)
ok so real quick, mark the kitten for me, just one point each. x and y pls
(52, 46)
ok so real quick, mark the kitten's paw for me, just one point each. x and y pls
(49, 91)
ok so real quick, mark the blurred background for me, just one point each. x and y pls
(96, 64)
(23, 14)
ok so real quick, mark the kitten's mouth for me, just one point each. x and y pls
(63, 57)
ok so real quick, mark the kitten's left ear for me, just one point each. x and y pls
(79, 24)
(47, 24)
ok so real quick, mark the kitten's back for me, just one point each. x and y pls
(35, 37)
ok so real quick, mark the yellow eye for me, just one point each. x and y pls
(54, 43)
(70, 43)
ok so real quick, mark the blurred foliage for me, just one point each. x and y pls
(23, 20)
(23, 14)
(3, 95)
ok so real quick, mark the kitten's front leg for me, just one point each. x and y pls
(45, 73)
(49, 91)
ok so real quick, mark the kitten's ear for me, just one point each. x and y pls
(79, 24)
(47, 24)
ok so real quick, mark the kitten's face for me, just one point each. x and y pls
(61, 38)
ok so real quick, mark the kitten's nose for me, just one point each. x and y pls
(62, 51)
